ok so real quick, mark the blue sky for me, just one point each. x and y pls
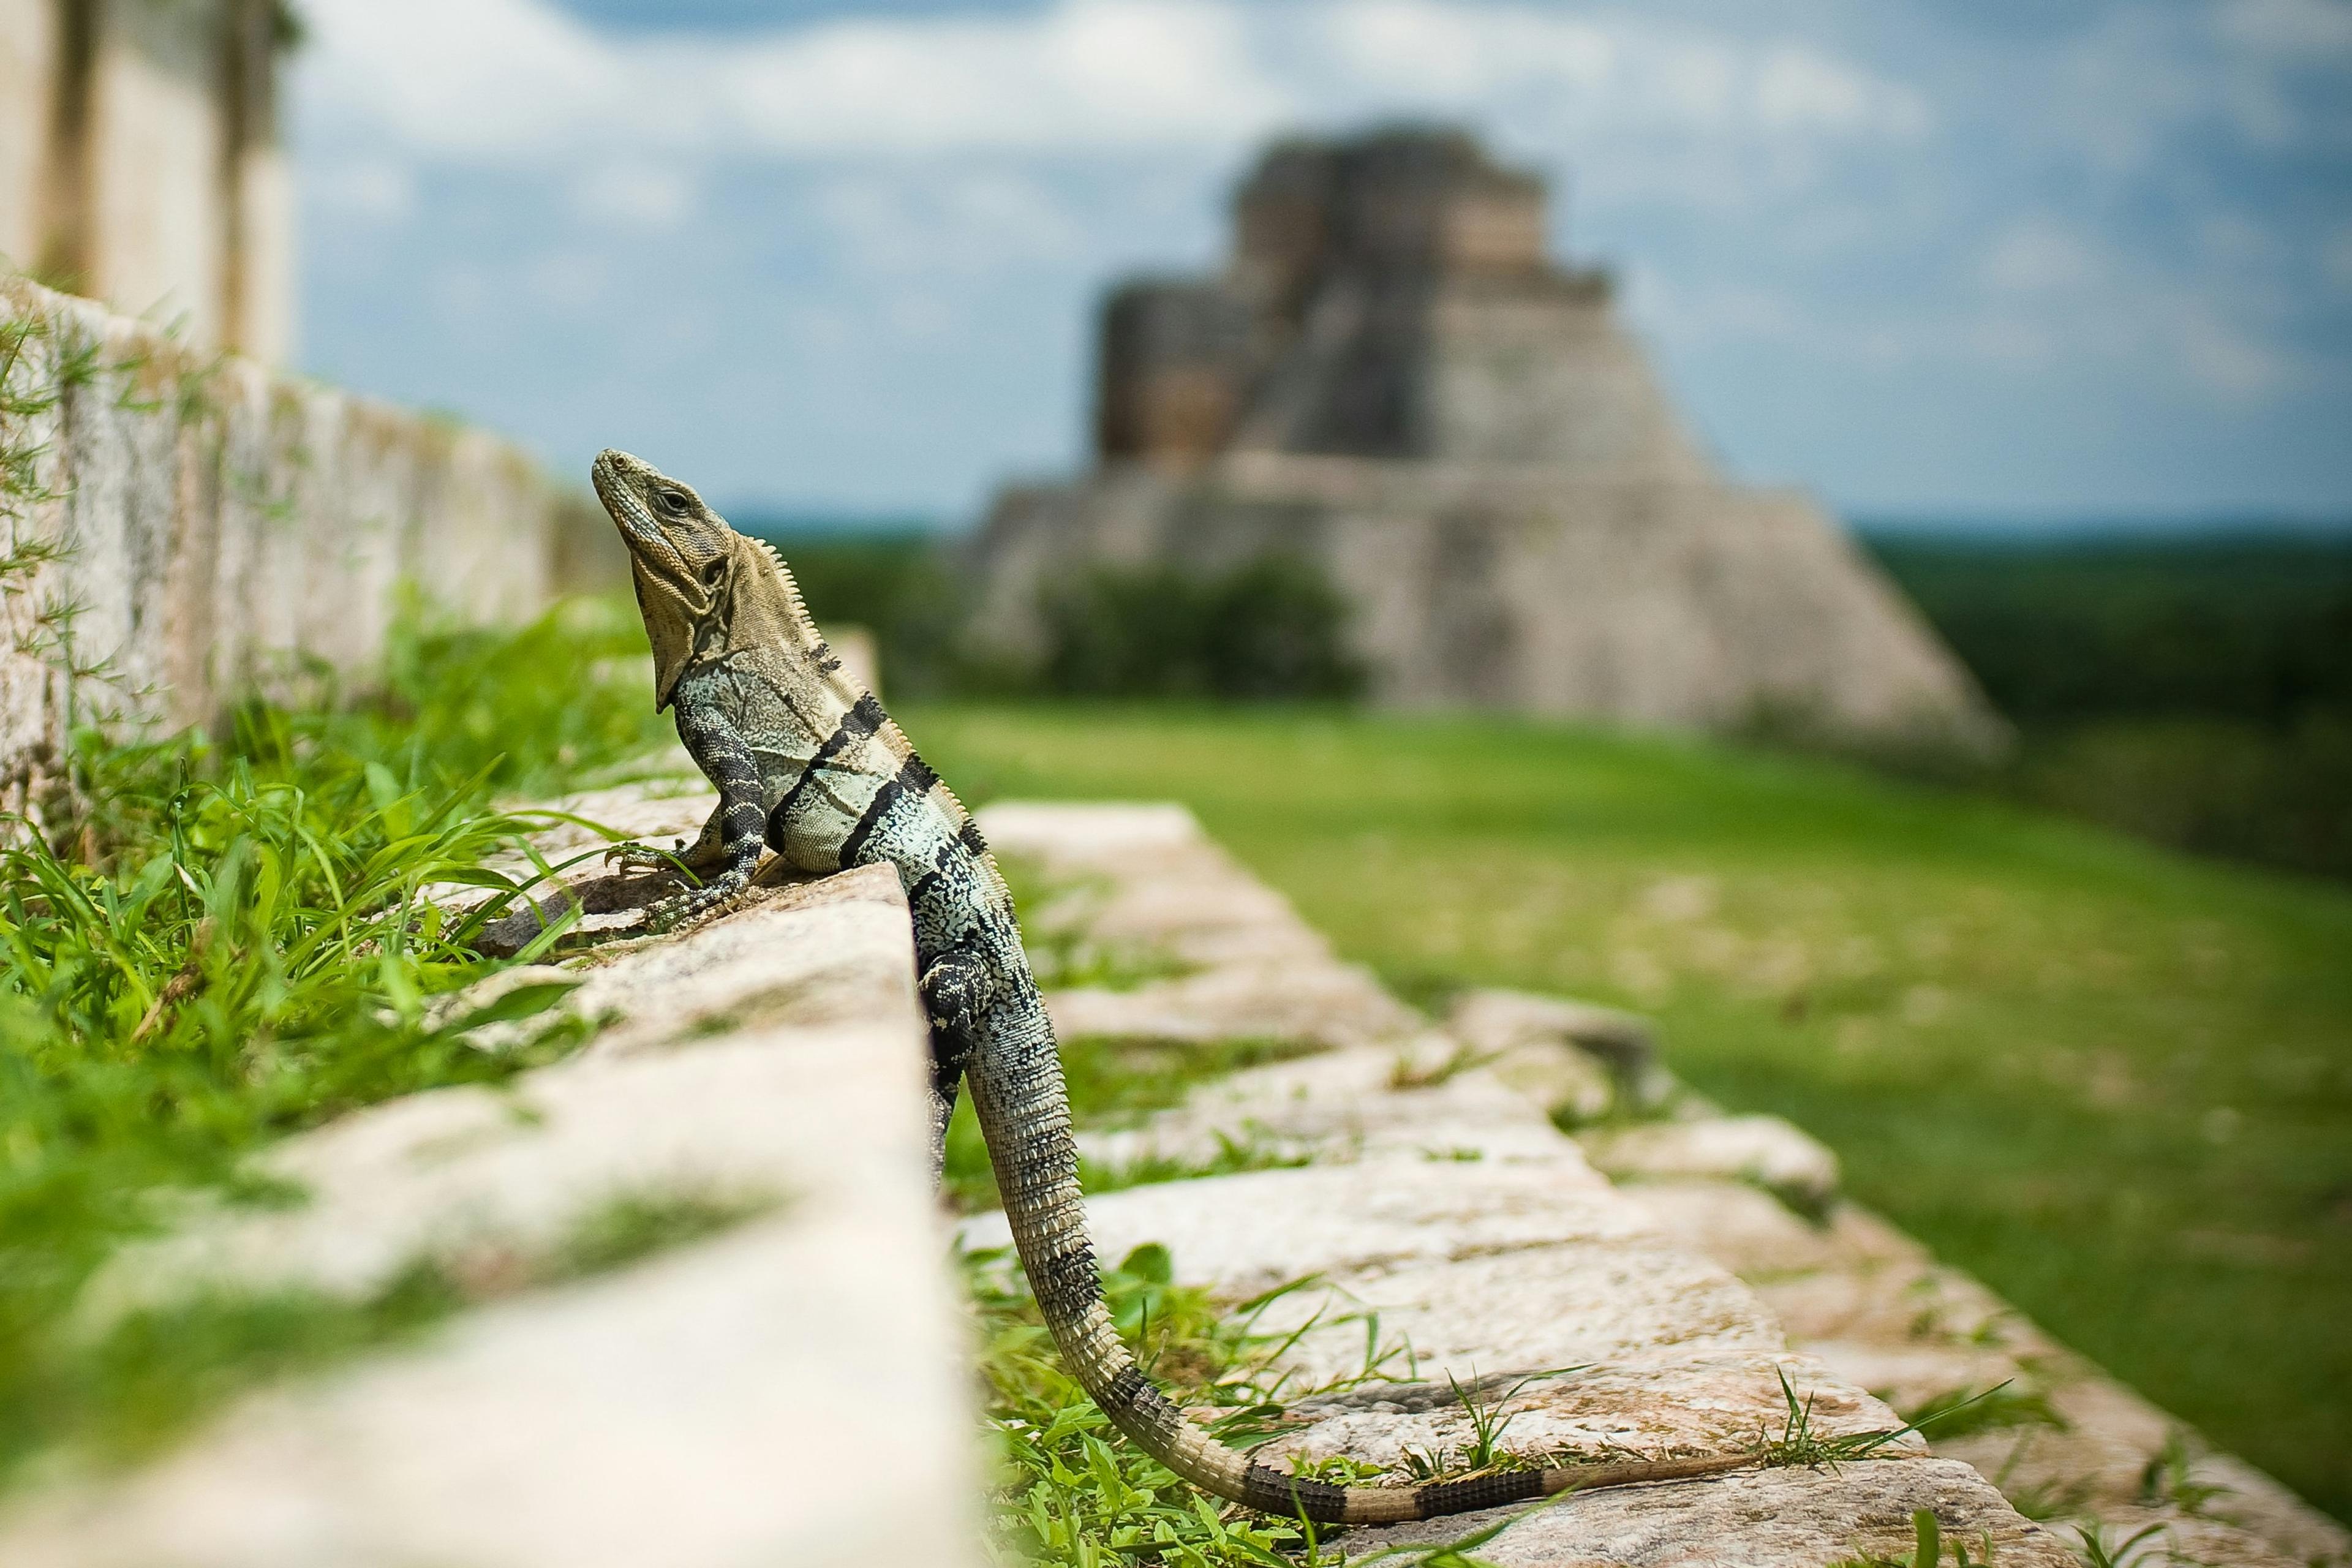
(2011, 258)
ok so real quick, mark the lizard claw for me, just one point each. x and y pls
(672, 911)
(680, 907)
(633, 857)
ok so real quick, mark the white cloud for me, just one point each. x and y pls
(566, 282)
(2038, 256)
(2335, 258)
(1423, 49)
(375, 190)
(2008, 340)
(499, 80)
(2234, 240)
(2228, 361)
(2060, 299)
(471, 78)
(1797, 87)
(1086, 74)
(2122, 92)
(1580, 72)
(514, 80)
(953, 221)
(2292, 28)
(2066, 212)
(1715, 310)
(636, 194)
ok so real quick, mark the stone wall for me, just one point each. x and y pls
(790, 1387)
(177, 525)
(140, 158)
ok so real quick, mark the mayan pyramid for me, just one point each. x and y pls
(1392, 379)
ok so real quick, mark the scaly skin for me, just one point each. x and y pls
(808, 764)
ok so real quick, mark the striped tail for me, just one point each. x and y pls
(1016, 1078)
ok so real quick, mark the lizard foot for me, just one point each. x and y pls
(631, 857)
(680, 907)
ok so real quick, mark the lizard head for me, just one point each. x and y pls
(682, 557)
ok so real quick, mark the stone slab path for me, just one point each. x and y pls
(793, 1387)
(791, 1390)
(1686, 1261)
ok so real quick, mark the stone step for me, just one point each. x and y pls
(788, 1392)
(1443, 1201)
(791, 1389)
(1446, 1235)
(1146, 877)
(1573, 1320)
(1876, 1307)
(1760, 1518)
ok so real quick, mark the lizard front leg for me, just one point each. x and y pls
(703, 855)
(727, 762)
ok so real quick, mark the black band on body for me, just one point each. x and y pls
(1480, 1491)
(914, 778)
(875, 810)
(1270, 1492)
(864, 717)
(1064, 1284)
(1126, 1385)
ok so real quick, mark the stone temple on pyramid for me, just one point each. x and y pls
(1392, 380)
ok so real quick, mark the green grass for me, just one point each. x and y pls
(1069, 1489)
(210, 944)
(2114, 1083)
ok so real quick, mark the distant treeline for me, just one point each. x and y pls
(897, 583)
(2256, 628)
(2193, 689)
(1270, 628)
(2197, 691)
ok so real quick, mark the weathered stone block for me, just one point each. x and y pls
(1767, 1518)
(1328, 1005)
(1764, 1150)
(1527, 1310)
(793, 1390)
(215, 523)
(784, 1394)
(1746, 1229)
(1505, 1021)
(1247, 1234)
(1672, 1406)
(1346, 1105)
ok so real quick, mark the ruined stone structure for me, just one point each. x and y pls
(1392, 379)
(140, 162)
(177, 527)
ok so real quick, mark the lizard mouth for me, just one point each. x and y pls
(604, 473)
(611, 475)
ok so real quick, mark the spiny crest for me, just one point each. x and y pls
(891, 736)
(784, 580)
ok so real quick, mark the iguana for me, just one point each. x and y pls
(807, 764)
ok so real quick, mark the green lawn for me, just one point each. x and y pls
(2114, 1083)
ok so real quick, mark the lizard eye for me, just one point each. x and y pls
(669, 503)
